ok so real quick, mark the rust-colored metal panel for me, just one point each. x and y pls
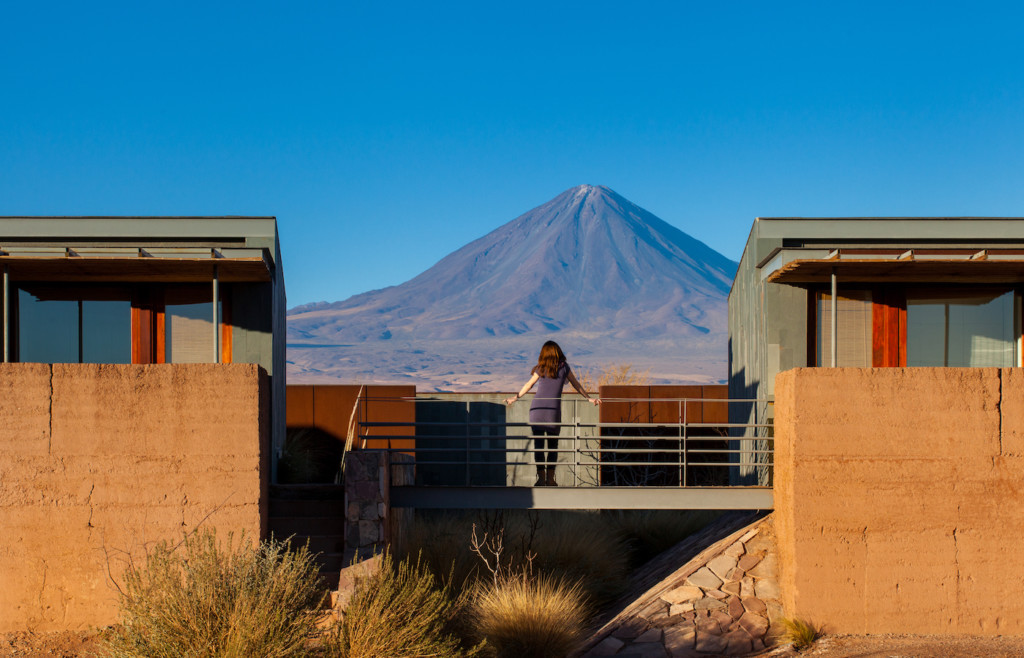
(716, 412)
(299, 406)
(332, 408)
(672, 411)
(622, 411)
(391, 404)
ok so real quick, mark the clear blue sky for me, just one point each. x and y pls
(384, 135)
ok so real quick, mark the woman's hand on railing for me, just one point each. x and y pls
(509, 401)
(594, 401)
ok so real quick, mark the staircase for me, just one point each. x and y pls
(313, 513)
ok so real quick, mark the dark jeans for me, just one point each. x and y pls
(539, 456)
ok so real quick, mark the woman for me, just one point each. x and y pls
(551, 371)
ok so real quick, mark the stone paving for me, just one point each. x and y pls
(720, 603)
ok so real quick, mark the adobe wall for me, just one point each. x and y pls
(899, 498)
(99, 462)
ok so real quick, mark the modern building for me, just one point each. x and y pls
(922, 291)
(146, 290)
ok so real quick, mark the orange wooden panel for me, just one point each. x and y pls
(160, 348)
(624, 411)
(673, 412)
(225, 330)
(139, 336)
(901, 315)
(332, 408)
(716, 412)
(384, 405)
(878, 318)
(886, 329)
(299, 406)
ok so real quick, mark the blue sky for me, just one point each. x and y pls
(385, 135)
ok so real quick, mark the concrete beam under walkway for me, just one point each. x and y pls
(689, 498)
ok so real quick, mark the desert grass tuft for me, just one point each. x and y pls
(399, 612)
(801, 633)
(525, 617)
(208, 598)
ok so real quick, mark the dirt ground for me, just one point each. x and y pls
(69, 644)
(909, 646)
(81, 645)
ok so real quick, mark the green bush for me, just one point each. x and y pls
(525, 617)
(398, 612)
(207, 598)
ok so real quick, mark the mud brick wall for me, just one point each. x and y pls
(899, 498)
(100, 462)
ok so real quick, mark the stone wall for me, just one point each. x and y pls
(100, 462)
(370, 522)
(899, 498)
(720, 597)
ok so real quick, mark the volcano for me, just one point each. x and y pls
(608, 280)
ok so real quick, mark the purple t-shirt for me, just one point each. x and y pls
(547, 403)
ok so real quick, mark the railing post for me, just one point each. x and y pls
(575, 443)
(467, 443)
(686, 436)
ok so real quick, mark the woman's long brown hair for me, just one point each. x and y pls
(551, 356)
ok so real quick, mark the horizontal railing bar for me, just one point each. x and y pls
(609, 464)
(520, 437)
(568, 397)
(612, 425)
(666, 451)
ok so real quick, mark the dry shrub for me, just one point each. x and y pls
(579, 547)
(398, 612)
(208, 598)
(570, 545)
(440, 542)
(530, 617)
(649, 532)
(799, 632)
(612, 374)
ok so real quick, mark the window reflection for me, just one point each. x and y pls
(961, 329)
(73, 325)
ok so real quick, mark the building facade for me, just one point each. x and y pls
(146, 290)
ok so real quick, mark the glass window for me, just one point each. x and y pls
(74, 325)
(188, 326)
(973, 328)
(853, 335)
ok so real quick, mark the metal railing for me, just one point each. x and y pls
(476, 441)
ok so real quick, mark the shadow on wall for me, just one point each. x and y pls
(746, 409)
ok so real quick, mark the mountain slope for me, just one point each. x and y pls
(588, 265)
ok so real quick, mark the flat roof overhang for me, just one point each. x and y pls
(130, 264)
(912, 266)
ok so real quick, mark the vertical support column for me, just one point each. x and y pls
(216, 316)
(835, 320)
(7, 313)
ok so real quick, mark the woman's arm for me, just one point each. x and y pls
(579, 389)
(526, 389)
